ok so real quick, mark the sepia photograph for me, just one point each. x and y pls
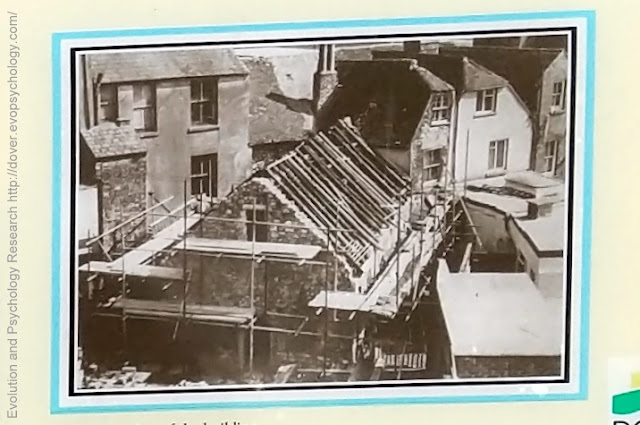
(322, 213)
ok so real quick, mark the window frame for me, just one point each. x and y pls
(559, 98)
(553, 157)
(206, 96)
(440, 109)
(260, 227)
(493, 146)
(430, 165)
(144, 104)
(210, 176)
(481, 102)
(103, 104)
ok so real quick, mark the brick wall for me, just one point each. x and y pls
(124, 191)
(507, 366)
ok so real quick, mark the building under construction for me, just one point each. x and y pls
(310, 270)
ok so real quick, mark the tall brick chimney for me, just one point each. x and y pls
(325, 79)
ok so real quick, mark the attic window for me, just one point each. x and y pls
(486, 101)
(440, 109)
(558, 96)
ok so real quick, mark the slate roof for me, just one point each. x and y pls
(108, 141)
(145, 65)
(462, 73)
(279, 112)
(360, 82)
(523, 68)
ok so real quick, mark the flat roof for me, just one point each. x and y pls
(545, 233)
(532, 179)
(499, 314)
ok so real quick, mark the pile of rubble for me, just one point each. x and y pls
(127, 377)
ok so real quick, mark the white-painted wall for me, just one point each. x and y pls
(510, 121)
(548, 271)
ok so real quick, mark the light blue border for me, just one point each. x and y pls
(56, 260)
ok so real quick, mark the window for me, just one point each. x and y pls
(486, 101)
(204, 102)
(108, 103)
(204, 175)
(521, 263)
(550, 156)
(432, 164)
(558, 96)
(440, 109)
(257, 217)
(498, 150)
(144, 107)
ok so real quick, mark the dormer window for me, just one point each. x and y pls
(440, 109)
(486, 101)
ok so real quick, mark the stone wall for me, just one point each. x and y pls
(278, 286)
(123, 192)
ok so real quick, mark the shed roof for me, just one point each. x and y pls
(110, 141)
(499, 314)
(146, 65)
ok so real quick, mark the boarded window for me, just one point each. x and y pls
(108, 103)
(144, 107)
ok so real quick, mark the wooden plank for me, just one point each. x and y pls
(121, 225)
(134, 270)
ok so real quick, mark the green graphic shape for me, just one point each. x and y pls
(626, 403)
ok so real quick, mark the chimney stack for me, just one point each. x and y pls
(540, 207)
(325, 79)
(412, 47)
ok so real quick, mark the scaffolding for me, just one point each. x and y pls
(392, 288)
